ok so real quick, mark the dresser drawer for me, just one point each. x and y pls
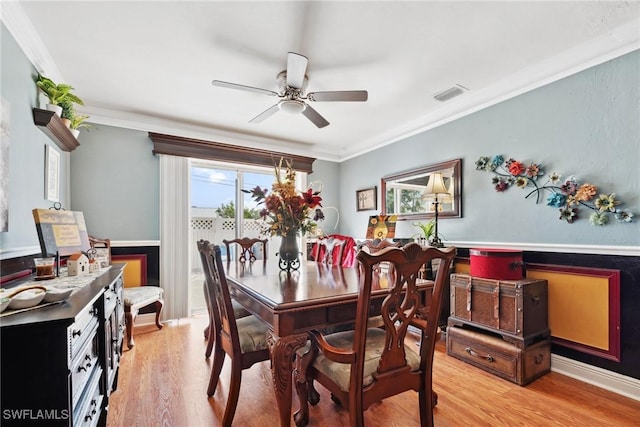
(499, 357)
(83, 365)
(82, 329)
(86, 412)
(112, 297)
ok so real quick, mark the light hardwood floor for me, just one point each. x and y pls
(163, 382)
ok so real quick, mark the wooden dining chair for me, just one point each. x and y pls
(247, 252)
(243, 340)
(367, 365)
(329, 250)
(383, 272)
(134, 296)
(209, 332)
(376, 245)
(102, 250)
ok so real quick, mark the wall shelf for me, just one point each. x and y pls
(54, 128)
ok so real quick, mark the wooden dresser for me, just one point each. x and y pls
(59, 363)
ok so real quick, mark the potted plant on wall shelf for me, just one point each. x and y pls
(61, 99)
(77, 122)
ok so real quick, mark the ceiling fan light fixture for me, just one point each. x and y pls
(292, 106)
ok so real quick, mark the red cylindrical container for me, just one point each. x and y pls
(497, 264)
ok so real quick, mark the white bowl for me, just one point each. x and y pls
(4, 303)
(26, 299)
(56, 294)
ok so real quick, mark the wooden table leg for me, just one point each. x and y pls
(282, 351)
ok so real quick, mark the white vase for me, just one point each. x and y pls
(75, 133)
(55, 108)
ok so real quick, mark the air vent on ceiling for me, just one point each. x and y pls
(452, 92)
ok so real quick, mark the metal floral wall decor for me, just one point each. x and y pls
(568, 195)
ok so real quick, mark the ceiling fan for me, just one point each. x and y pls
(292, 84)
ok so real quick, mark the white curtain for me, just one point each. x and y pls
(175, 252)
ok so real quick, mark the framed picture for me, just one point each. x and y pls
(366, 199)
(51, 174)
(381, 227)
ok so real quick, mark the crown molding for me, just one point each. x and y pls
(146, 123)
(22, 30)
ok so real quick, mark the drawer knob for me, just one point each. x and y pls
(472, 352)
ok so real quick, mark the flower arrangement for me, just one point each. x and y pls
(287, 211)
(568, 196)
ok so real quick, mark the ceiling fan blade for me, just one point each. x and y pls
(315, 117)
(296, 69)
(220, 83)
(265, 114)
(340, 96)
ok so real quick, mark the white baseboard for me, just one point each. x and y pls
(612, 381)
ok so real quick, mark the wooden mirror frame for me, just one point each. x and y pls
(456, 212)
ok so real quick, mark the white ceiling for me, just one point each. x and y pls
(149, 65)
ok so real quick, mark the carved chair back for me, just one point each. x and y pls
(376, 245)
(398, 368)
(383, 270)
(247, 252)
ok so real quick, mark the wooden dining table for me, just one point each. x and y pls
(294, 302)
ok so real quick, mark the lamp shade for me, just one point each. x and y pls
(436, 185)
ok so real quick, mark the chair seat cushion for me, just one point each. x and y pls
(238, 310)
(340, 372)
(141, 294)
(252, 333)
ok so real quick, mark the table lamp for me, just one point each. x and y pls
(436, 186)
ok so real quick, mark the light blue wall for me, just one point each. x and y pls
(585, 125)
(26, 153)
(115, 181)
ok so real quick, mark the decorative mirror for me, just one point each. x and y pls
(406, 194)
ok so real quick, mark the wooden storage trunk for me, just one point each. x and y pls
(515, 309)
(499, 357)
